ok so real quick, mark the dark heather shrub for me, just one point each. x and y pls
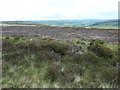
(53, 72)
(7, 37)
(54, 46)
(93, 42)
(16, 38)
(101, 51)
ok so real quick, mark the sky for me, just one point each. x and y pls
(57, 9)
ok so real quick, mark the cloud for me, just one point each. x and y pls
(57, 9)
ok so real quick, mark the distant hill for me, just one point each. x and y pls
(111, 24)
(85, 23)
(60, 23)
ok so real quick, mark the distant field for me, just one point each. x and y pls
(104, 24)
(113, 24)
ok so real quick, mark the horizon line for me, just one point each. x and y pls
(62, 19)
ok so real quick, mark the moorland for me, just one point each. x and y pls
(42, 56)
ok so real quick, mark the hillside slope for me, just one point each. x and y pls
(109, 24)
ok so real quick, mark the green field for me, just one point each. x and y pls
(108, 24)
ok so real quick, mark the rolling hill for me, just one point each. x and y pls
(109, 24)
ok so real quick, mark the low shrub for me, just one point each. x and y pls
(96, 41)
(55, 46)
(101, 51)
(66, 78)
(90, 58)
(75, 68)
(108, 75)
(53, 72)
(7, 37)
(16, 38)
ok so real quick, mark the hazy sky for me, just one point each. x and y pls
(58, 9)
